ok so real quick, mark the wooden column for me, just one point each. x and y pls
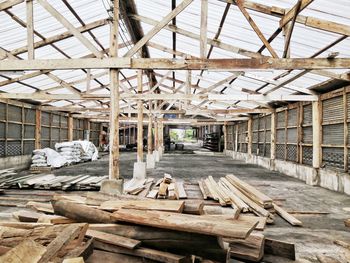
(139, 119)
(124, 134)
(236, 138)
(273, 136)
(250, 134)
(316, 134)
(346, 131)
(149, 134)
(156, 138)
(30, 28)
(37, 129)
(225, 135)
(70, 128)
(114, 104)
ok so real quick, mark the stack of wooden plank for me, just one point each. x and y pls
(39, 243)
(168, 188)
(51, 181)
(128, 228)
(243, 197)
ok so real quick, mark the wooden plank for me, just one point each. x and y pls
(204, 29)
(286, 216)
(113, 239)
(250, 191)
(27, 251)
(181, 190)
(153, 194)
(250, 249)
(30, 29)
(66, 236)
(163, 189)
(107, 257)
(42, 207)
(153, 254)
(9, 3)
(241, 206)
(81, 213)
(200, 184)
(194, 208)
(182, 222)
(73, 260)
(279, 248)
(164, 205)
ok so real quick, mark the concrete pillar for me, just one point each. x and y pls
(140, 165)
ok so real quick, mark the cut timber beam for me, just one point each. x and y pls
(158, 27)
(10, 3)
(234, 64)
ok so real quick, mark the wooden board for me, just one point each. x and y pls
(153, 194)
(153, 254)
(184, 222)
(26, 252)
(286, 216)
(164, 205)
(113, 239)
(249, 249)
(279, 248)
(181, 190)
(107, 257)
(347, 222)
(250, 191)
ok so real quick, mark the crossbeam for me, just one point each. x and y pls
(234, 64)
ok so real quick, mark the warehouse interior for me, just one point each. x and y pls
(174, 131)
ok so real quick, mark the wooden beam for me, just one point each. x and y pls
(328, 26)
(9, 3)
(204, 29)
(38, 128)
(316, 134)
(158, 27)
(114, 172)
(290, 28)
(30, 28)
(149, 131)
(234, 64)
(291, 14)
(70, 128)
(139, 118)
(60, 18)
(256, 28)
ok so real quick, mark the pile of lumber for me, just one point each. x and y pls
(38, 243)
(243, 197)
(167, 188)
(128, 228)
(51, 181)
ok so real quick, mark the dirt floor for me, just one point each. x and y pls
(314, 238)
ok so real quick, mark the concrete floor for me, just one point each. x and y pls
(318, 231)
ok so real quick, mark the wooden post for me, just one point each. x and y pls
(70, 128)
(236, 139)
(273, 136)
(124, 134)
(38, 129)
(225, 135)
(156, 141)
(149, 135)
(346, 131)
(88, 130)
(114, 93)
(316, 131)
(204, 29)
(250, 134)
(30, 28)
(139, 119)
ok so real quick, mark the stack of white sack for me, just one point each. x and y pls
(71, 151)
(88, 150)
(47, 158)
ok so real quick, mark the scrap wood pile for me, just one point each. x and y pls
(51, 181)
(165, 188)
(243, 197)
(127, 228)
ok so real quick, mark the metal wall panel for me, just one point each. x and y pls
(333, 134)
(307, 114)
(293, 117)
(292, 135)
(14, 113)
(307, 135)
(332, 109)
(281, 119)
(333, 157)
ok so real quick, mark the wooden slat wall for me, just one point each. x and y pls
(294, 135)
